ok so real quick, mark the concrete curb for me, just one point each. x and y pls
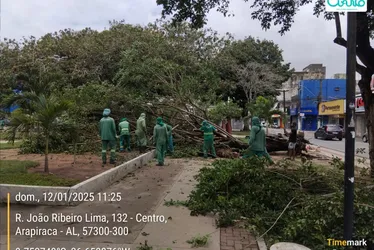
(64, 196)
(261, 244)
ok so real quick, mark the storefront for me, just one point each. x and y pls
(277, 121)
(294, 113)
(332, 112)
(308, 118)
(360, 116)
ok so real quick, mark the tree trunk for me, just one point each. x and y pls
(228, 126)
(245, 119)
(370, 127)
(46, 169)
(224, 125)
(368, 98)
(246, 123)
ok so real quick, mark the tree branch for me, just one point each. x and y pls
(278, 218)
(364, 50)
(338, 25)
(360, 69)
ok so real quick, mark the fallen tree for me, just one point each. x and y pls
(187, 122)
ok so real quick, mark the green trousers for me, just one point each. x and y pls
(112, 147)
(209, 147)
(251, 153)
(160, 152)
(124, 142)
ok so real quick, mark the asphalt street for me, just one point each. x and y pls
(362, 148)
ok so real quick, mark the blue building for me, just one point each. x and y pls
(17, 91)
(313, 92)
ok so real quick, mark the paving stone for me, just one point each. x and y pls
(237, 239)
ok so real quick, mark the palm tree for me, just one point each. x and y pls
(44, 112)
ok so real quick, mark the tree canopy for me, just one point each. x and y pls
(130, 69)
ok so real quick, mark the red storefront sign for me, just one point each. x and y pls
(360, 104)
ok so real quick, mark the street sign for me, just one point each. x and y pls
(360, 108)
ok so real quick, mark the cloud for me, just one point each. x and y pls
(37, 17)
(309, 41)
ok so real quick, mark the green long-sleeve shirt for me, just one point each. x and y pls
(107, 129)
(124, 128)
(169, 129)
(257, 139)
(208, 132)
(160, 134)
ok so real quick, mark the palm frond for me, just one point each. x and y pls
(22, 123)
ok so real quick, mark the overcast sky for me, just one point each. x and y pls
(309, 41)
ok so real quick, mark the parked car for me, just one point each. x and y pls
(343, 131)
(365, 137)
(329, 131)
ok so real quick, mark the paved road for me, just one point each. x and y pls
(333, 144)
(340, 146)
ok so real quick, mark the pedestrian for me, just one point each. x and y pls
(292, 142)
(160, 138)
(170, 149)
(141, 133)
(108, 137)
(124, 130)
(257, 141)
(208, 139)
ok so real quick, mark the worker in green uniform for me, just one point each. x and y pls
(208, 139)
(141, 133)
(124, 131)
(257, 141)
(170, 148)
(108, 136)
(160, 137)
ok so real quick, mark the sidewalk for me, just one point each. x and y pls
(143, 192)
(360, 162)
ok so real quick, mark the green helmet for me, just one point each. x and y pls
(106, 112)
(159, 121)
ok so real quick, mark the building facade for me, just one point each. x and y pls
(292, 103)
(340, 76)
(332, 112)
(312, 93)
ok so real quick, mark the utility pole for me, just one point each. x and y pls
(350, 126)
(284, 108)
(284, 101)
(320, 99)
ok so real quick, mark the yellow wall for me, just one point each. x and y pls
(331, 108)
